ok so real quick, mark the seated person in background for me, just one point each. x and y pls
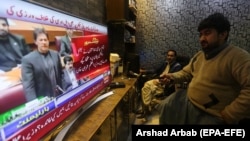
(69, 79)
(12, 47)
(154, 87)
(65, 48)
(41, 69)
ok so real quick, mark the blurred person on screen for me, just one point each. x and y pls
(65, 47)
(12, 47)
(41, 69)
(219, 80)
(69, 78)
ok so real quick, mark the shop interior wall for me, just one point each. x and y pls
(165, 24)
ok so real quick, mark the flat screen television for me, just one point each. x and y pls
(21, 119)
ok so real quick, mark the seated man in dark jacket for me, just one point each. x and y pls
(12, 47)
(69, 77)
(154, 88)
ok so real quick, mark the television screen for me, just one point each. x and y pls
(75, 67)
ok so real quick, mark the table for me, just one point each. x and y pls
(90, 122)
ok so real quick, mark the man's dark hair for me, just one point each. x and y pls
(38, 31)
(5, 19)
(67, 59)
(217, 21)
(175, 53)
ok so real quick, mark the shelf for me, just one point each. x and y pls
(123, 26)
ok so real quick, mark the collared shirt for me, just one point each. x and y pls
(50, 68)
(72, 78)
(166, 69)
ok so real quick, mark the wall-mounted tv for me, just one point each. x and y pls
(25, 118)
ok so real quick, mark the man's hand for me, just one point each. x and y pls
(166, 79)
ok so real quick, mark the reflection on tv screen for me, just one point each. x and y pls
(52, 64)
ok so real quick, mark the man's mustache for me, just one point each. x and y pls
(203, 42)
